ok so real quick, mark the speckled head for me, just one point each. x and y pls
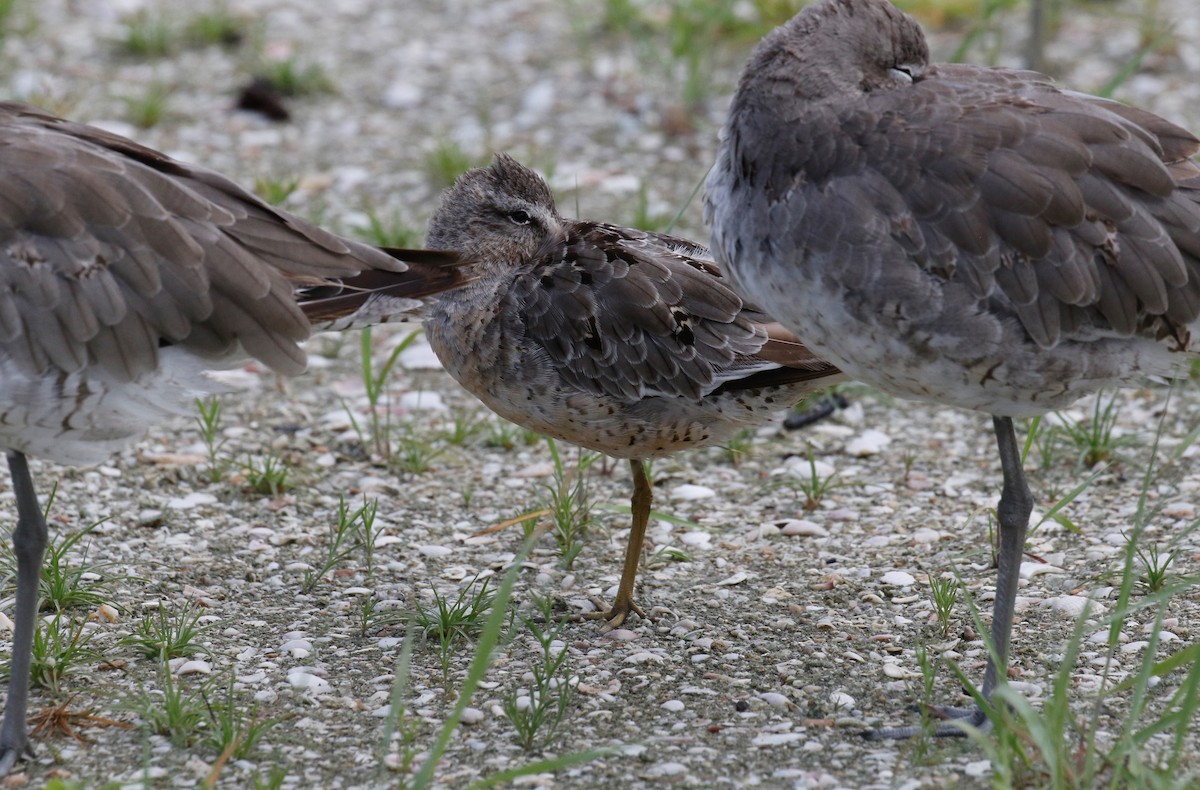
(497, 214)
(838, 47)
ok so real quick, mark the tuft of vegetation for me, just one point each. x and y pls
(149, 109)
(147, 35)
(164, 634)
(293, 79)
(538, 711)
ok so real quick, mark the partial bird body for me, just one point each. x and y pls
(967, 236)
(125, 277)
(625, 342)
(964, 235)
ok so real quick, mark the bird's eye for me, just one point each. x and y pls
(520, 217)
(901, 74)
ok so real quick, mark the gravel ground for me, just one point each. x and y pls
(785, 632)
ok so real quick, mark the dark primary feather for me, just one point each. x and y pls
(109, 250)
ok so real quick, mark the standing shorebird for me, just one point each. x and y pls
(625, 342)
(968, 236)
(126, 275)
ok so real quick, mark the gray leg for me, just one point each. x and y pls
(29, 543)
(1016, 503)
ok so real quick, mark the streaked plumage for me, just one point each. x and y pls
(625, 342)
(124, 276)
(969, 236)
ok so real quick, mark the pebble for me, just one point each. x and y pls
(777, 739)
(898, 579)
(423, 400)
(869, 442)
(435, 551)
(800, 466)
(842, 700)
(667, 769)
(1179, 510)
(673, 705)
(1031, 569)
(923, 535)
(804, 528)
(688, 492)
(697, 539)
(194, 499)
(622, 635)
(897, 672)
(644, 657)
(472, 716)
(298, 648)
(1072, 606)
(775, 699)
(306, 681)
(196, 667)
(736, 578)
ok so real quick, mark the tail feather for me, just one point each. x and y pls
(375, 296)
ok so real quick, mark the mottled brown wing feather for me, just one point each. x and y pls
(109, 250)
(1073, 210)
(628, 314)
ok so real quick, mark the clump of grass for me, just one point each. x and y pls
(944, 595)
(275, 190)
(446, 161)
(814, 486)
(209, 423)
(147, 35)
(234, 727)
(217, 27)
(569, 502)
(60, 647)
(67, 581)
(294, 79)
(350, 530)
(464, 427)
(164, 634)
(363, 520)
(1153, 567)
(174, 712)
(449, 622)
(1094, 438)
(505, 435)
(150, 108)
(416, 453)
(375, 435)
(1062, 747)
(266, 475)
(738, 446)
(390, 232)
(497, 622)
(370, 616)
(538, 713)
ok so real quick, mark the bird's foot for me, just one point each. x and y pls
(615, 614)
(11, 755)
(954, 723)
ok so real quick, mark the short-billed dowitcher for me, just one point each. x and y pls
(622, 341)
